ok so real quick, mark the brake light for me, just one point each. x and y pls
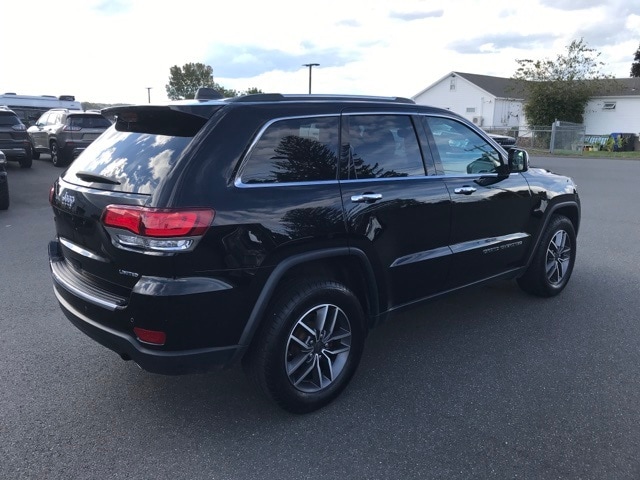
(158, 223)
(149, 230)
(19, 128)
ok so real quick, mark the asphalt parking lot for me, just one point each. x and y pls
(488, 383)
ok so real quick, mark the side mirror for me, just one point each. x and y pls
(518, 160)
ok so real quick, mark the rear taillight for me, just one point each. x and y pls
(19, 128)
(155, 229)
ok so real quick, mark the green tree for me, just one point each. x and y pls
(560, 89)
(635, 66)
(185, 81)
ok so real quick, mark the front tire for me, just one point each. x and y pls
(553, 261)
(310, 345)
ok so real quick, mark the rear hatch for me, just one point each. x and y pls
(110, 187)
(84, 128)
(13, 133)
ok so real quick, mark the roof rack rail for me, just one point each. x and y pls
(279, 97)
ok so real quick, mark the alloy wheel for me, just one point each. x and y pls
(318, 348)
(558, 257)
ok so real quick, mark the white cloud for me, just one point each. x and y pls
(112, 51)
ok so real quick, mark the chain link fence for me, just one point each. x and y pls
(560, 138)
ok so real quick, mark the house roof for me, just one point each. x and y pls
(624, 87)
(510, 88)
(497, 86)
(501, 87)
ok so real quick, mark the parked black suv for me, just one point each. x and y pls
(277, 230)
(14, 140)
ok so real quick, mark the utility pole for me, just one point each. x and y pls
(149, 93)
(310, 65)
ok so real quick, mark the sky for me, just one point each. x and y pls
(120, 51)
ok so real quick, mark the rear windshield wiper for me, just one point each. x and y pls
(93, 177)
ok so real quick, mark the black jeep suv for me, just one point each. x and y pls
(276, 230)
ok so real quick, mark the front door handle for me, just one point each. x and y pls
(464, 190)
(366, 198)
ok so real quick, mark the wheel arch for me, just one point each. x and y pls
(347, 265)
(569, 209)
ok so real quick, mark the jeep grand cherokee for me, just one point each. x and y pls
(276, 230)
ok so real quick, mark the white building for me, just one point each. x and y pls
(496, 102)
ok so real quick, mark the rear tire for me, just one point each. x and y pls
(26, 161)
(310, 345)
(56, 155)
(553, 261)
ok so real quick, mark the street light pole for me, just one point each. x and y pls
(149, 93)
(310, 65)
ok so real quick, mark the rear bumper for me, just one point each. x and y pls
(13, 153)
(163, 362)
(103, 317)
(73, 150)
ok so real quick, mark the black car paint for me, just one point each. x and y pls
(210, 301)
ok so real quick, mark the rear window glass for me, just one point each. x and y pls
(136, 161)
(88, 121)
(7, 118)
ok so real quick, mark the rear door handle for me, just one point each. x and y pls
(366, 198)
(464, 190)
